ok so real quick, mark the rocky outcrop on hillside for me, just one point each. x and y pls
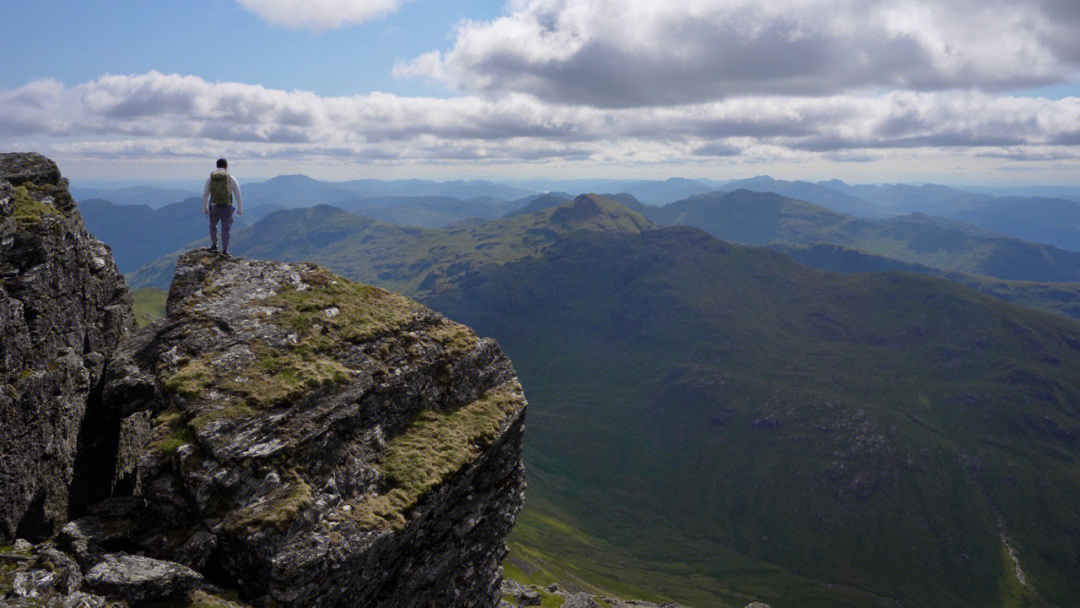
(285, 437)
(63, 308)
(516, 594)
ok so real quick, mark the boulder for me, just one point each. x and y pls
(140, 578)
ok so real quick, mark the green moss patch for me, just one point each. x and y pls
(170, 431)
(436, 445)
(548, 600)
(336, 309)
(29, 210)
(149, 305)
(277, 510)
(326, 317)
(6, 580)
(192, 380)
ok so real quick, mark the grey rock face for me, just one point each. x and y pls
(19, 168)
(140, 578)
(63, 308)
(315, 442)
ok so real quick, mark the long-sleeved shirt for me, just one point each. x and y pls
(235, 187)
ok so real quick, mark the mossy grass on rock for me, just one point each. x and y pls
(316, 442)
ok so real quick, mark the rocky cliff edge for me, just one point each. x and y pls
(63, 308)
(285, 437)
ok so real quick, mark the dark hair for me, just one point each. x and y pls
(222, 163)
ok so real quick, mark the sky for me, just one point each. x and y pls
(869, 91)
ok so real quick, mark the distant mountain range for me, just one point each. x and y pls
(1060, 298)
(1042, 219)
(1043, 215)
(134, 195)
(761, 218)
(140, 234)
(650, 192)
(825, 196)
(710, 421)
(428, 211)
(1013, 269)
(406, 258)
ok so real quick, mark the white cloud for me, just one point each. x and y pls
(164, 116)
(632, 53)
(320, 15)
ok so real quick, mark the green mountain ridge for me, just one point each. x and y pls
(717, 380)
(1059, 298)
(713, 423)
(1037, 275)
(404, 258)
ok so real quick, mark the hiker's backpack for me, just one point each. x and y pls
(220, 192)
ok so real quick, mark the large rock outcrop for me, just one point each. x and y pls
(306, 441)
(63, 308)
(284, 437)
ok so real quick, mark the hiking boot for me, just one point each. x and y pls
(226, 254)
(213, 248)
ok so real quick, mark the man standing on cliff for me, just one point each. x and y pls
(217, 202)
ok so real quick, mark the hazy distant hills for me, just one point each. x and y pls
(827, 197)
(135, 195)
(464, 190)
(294, 191)
(139, 234)
(1040, 219)
(761, 218)
(960, 252)
(427, 211)
(407, 258)
(1071, 193)
(1051, 218)
(1060, 298)
(650, 192)
(303, 191)
(711, 422)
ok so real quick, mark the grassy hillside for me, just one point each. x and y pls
(149, 305)
(771, 431)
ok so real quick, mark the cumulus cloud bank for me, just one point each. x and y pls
(168, 115)
(627, 82)
(320, 15)
(628, 53)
